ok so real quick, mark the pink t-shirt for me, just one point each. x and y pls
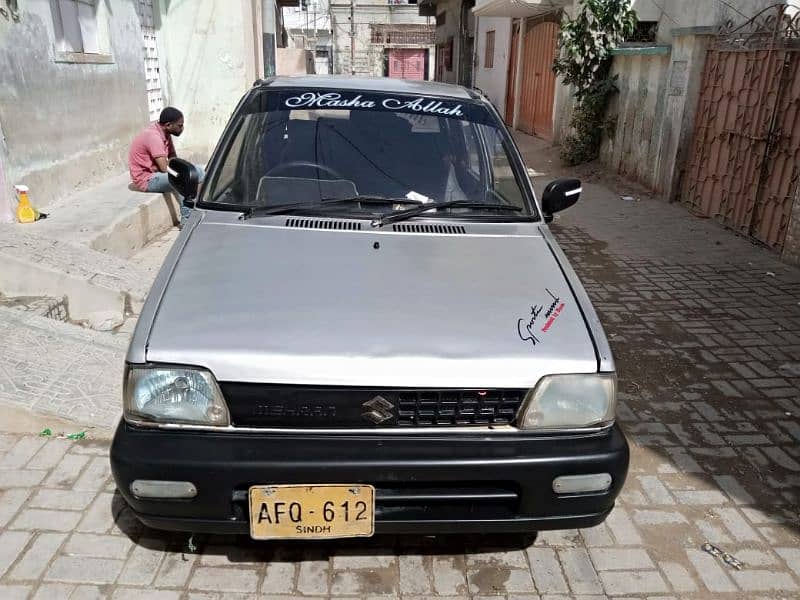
(151, 143)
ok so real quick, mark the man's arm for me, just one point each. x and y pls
(155, 148)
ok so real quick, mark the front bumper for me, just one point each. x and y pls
(424, 483)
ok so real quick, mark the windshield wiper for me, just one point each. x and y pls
(402, 215)
(263, 211)
(371, 199)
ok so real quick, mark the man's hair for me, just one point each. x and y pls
(169, 115)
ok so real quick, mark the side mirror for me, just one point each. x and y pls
(558, 195)
(185, 179)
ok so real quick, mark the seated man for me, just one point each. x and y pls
(151, 151)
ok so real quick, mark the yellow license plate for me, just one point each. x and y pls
(311, 511)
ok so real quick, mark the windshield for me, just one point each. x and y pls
(294, 147)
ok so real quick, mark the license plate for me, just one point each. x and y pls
(311, 511)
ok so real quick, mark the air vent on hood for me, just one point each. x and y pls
(323, 224)
(419, 228)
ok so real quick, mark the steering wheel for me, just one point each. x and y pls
(304, 163)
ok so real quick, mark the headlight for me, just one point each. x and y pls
(174, 395)
(570, 402)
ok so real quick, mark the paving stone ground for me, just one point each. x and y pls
(55, 368)
(705, 328)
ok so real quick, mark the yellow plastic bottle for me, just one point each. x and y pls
(25, 212)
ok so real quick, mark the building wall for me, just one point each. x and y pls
(450, 29)
(322, 47)
(207, 65)
(67, 125)
(314, 17)
(310, 28)
(672, 14)
(301, 38)
(368, 57)
(493, 81)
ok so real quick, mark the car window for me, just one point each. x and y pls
(505, 182)
(294, 147)
(472, 148)
(227, 174)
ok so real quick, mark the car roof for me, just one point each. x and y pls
(372, 84)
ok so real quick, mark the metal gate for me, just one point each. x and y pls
(538, 83)
(745, 158)
(407, 63)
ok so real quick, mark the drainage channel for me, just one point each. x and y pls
(43, 306)
(57, 309)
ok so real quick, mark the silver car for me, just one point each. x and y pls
(367, 327)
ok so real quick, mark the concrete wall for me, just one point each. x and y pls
(655, 112)
(369, 57)
(493, 81)
(634, 149)
(684, 80)
(206, 51)
(68, 125)
(562, 110)
(563, 103)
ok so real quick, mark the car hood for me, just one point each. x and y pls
(264, 303)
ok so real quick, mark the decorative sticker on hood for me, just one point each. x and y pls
(540, 320)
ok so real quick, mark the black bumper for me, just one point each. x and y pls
(424, 484)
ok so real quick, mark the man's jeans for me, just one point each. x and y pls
(159, 183)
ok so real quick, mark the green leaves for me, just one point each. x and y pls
(587, 40)
(584, 62)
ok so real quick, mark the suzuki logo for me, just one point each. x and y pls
(378, 410)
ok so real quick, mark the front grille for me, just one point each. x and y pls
(422, 501)
(456, 407)
(265, 405)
